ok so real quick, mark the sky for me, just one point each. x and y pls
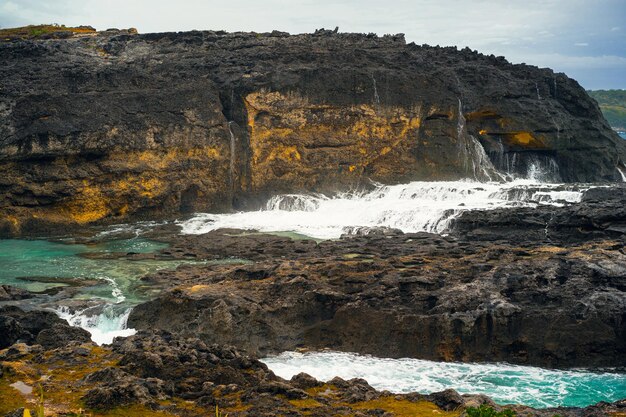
(586, 39)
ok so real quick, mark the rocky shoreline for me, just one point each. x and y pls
(161, 374)
(109, 127)
(113, 126)
(485, 293)
(498, 288)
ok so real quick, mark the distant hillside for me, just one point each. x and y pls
(613, 105)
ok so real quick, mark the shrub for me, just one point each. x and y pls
(486, 411)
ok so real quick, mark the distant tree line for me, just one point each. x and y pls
(613, 106)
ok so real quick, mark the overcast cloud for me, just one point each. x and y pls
(584, 38)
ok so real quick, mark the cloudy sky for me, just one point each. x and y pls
(584, 38)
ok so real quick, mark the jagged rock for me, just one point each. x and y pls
(406, 295)
(448, 399)
(193, 385)
(10, 293)
(60, 335)
(208, 121)
(36, 326)
(116, 395)
(600, 215)
(304, 381)
(11, 331)
(118, 388)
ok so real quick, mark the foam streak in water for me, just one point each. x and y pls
(413, 207)
(506, 384)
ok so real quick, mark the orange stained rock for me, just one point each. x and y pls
(88, 205)
(482, 114)
(290, 129)
(525, 139)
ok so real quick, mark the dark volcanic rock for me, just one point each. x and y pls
(415, 295)
(41, 327)
(173, 376)
(112, 126)
(601, 215)
(116, 388)
(61, 334)
(9, 293)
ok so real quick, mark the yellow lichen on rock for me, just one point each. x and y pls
(306, 143)
(286, 153)
(163, 159)
(10, 399)
(404, 408)
(13, 223)
(88, 206)
(524, 139)
(151, 187)
(95, 201)
(305, 403)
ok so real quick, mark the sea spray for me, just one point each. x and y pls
(413, 207)
(504, 383)
(103, 326)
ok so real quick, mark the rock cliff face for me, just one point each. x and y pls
(111, 126)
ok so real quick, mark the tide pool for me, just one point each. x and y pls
(37, 265)
(111, 284)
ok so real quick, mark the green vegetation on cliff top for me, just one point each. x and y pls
(613, 106)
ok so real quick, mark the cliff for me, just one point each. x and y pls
(113, 126)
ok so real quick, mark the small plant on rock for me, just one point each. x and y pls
(218, 413)
(39, 409)
(486, 411)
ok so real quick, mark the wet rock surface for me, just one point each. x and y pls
(10, 293)
(119, 126)
(499, 288)
(482, 293)
(41, 327)
(600, 215)
(158, 373)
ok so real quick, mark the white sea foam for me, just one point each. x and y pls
(138, 229)
(103, 327)
(505, 383)
(413, 207)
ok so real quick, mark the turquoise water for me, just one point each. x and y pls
(37, 265)
(504, 383)
(115, 285)
(108, 288)
(622, 134)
